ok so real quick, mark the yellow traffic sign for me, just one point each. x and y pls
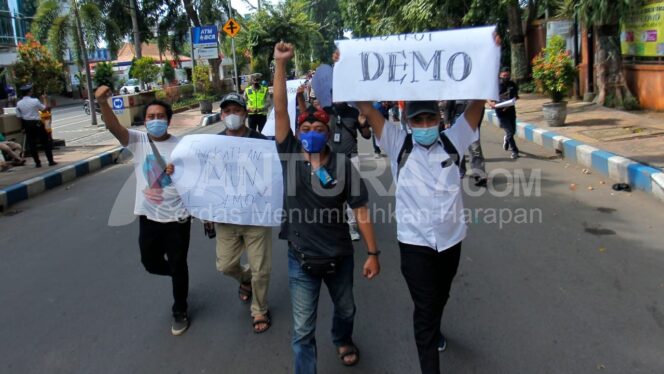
(231, 27)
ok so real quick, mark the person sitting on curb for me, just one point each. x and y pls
(12, 151)
(164, 224)
(320, 248)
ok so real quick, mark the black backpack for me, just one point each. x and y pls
(407, 147)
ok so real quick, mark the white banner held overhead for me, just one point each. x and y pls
(442, 65)
(291, 91)
(229, 179)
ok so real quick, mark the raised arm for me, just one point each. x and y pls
(375, 119)
(112, 124)
(282, 53)
(299, 97)
(473, 113)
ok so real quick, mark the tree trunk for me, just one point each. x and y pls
(612, 88)
(216, 79)
(517, 42)
(191, 12)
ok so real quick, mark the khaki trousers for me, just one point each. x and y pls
(232, 240)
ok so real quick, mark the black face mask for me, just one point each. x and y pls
(504, 80)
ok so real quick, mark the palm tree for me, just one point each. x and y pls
(604, 17)
(84, 23)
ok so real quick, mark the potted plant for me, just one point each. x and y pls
(203, 86)
(554, 73)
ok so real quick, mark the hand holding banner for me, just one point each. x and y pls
(442, 65)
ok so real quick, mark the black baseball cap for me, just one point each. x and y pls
(413, 108)
(26, 87)
(233, 98)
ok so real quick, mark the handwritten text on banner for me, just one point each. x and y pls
(441, 65)
(229, 179)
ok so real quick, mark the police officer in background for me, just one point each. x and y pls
(258, 98)
(27, 109)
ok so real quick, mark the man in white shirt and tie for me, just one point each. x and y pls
(429, 209)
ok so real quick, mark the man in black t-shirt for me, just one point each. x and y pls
(317, 184)
(507, 115)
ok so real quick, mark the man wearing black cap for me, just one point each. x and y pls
(27, 109)
(256, 241)
(429, 209)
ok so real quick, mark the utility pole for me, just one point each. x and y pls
(84, 55)
(134, 26)
(237, 82)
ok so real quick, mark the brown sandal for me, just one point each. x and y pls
(267, 320)
(352, 350)
(244, 292)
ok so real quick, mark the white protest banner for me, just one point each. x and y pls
(442, 65)
(229, 179)
(291, 90)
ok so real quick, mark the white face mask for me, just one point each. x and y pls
(233, 121)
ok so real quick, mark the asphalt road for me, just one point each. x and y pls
(580, 290)
(75, 127)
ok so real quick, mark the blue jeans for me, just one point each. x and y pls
(304, 290)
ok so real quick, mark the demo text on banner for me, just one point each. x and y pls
(229, 179)
(440, 65)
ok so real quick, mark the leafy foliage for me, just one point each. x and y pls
(553, 70)
(104, 74)
(168, 72)
(144, 69)
(201, 79)
(36, 65)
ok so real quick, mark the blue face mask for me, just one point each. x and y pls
(312, 141)
(426, 136)
(157, 127)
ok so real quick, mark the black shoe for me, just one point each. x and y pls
(442, 345)
(38, 165)
(514, 155)
(52, 163)
(480, 182)
(180, 324)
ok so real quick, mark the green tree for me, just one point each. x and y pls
(144, 69)
(603, 17)
(36, 65)
(167, 72)
(104, 74)
(201, 80)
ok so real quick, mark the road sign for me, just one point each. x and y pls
(204, 36)
(118, 103)
(206, 53)
(232, 27)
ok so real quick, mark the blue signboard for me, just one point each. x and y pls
(99, 55)
(204, 36)
(118, 103)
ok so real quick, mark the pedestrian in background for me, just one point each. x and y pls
(27, 109)
(257, 97)
(164, 223)
(507, 116)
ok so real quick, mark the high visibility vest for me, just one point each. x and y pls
(256, 99)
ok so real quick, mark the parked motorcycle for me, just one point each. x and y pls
(86, 107)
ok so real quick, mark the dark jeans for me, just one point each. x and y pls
(509, 125)
(305, 290)
(35, 133)
(429, 275)
(375, 146)
(257, 121)
(164, 248)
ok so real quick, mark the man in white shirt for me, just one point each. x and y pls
(164, 222)
(429, 209)
(27, 109)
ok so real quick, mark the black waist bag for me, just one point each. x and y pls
(317, 266)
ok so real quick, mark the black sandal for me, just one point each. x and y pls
(352, 350)
(246, 292)
(267, 320)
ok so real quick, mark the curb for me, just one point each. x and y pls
(210, 119)
(30, 188)
(618, 168)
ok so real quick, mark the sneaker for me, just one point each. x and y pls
(442, 345)
(506, 145)
(378, 156)
(514, 155)
(180, 324)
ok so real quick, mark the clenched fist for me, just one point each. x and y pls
(283, 51)
(102, 94)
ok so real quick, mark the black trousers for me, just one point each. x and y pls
(257, 121)
(509, 125)
(429, 276)
(35, 133)
(164, 248)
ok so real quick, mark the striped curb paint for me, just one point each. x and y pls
(210, 119)
(24, 190)
(618, 168)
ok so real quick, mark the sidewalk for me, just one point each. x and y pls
(23, 182)
(625, 146)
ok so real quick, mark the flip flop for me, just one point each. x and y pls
(352, 350)
(242, 291)
(267, 319)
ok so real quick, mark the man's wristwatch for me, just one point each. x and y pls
(377, 253)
